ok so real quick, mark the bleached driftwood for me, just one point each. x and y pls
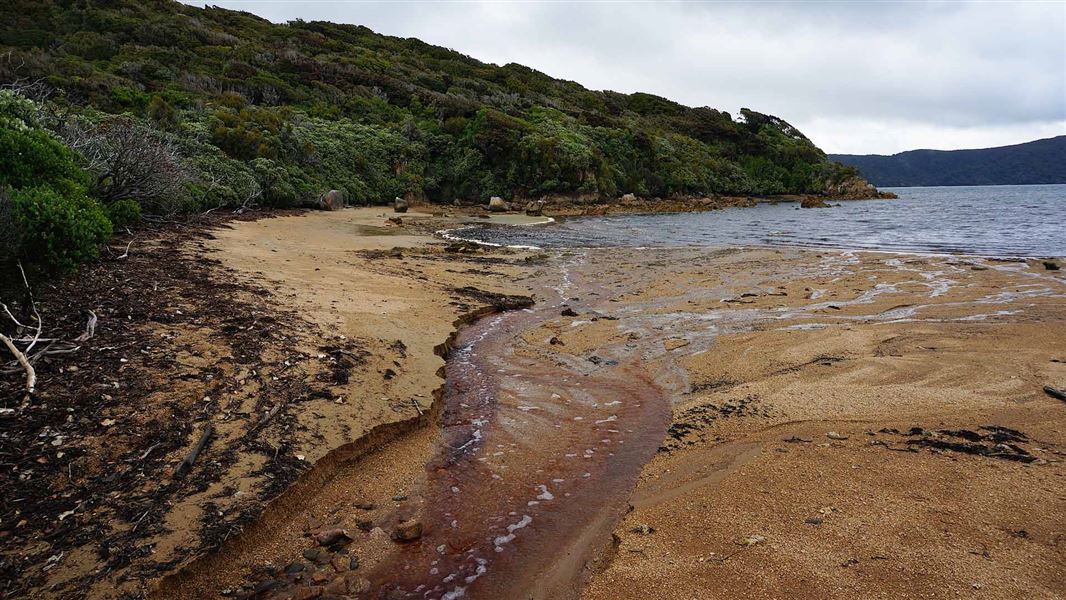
(31, 374)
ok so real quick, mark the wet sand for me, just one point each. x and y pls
(668, 381)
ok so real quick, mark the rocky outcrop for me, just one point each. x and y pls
(813, 202)
(497, 204)
(855, 188)
(400, 205)
(332, 200)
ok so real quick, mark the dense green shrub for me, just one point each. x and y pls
(59, 231)
(123, 213)
(47, 221)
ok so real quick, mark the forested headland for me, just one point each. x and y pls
(113, 109)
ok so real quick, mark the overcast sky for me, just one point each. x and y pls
(873, 77)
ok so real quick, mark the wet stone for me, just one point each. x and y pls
(341, 564)
(408, 531)
(294, 567)
(332, 537)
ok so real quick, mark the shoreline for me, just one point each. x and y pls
(330, 268)
(448, 234)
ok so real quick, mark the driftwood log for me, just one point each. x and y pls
(1055, 392)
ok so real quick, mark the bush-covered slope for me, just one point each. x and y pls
(252, 111)
(1040, 161)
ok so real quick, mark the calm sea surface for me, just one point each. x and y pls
(1023, 220)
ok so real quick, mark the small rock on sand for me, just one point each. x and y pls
(836, 436)
(331, 537)
(408, 531)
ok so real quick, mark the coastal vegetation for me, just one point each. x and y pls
(157, 107)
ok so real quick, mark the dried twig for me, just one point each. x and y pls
(190, 458)
(31, 374)
(90, 329)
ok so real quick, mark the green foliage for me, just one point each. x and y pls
(123, 213)
(32, 157)
(47, 222)
(59, 232)
(277, 114)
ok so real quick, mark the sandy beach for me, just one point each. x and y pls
(689, 423)
(809, 444)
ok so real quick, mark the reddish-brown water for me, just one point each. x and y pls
(538, 447)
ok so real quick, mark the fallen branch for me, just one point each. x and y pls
(31, 374)
(127, 252)
(190, 458)
(1055, 392)
(267, 417)
(90, 327)
(12, 317)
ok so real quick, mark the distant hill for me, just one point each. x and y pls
(1040, 161)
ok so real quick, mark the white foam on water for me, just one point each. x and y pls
(502, 540)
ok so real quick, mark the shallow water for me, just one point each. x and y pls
(537, 447)
(543, 442)
(978, 220)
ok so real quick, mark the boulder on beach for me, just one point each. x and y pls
(629, 198)
(332, 200)
(497, 204)
(400, 205)
(534, 208)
